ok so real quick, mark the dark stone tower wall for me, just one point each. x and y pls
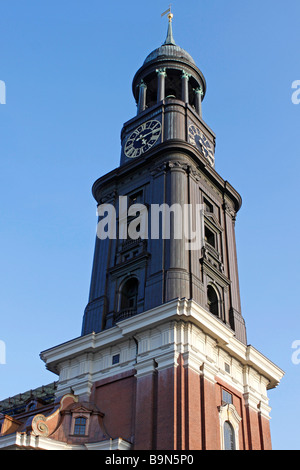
(174, 166)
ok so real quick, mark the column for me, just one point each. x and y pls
(198, 100)
(161, 84)
(185, 86)
(142, 97)
(177, 257)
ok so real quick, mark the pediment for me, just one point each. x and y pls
(81, 409)
(213, 220)
(87, 408)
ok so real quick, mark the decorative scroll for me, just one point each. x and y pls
(46, 425)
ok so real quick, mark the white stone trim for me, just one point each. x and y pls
(23, 441)
(209, 372)
(229, 413)
(112, 444)
(145, 368)
(163, 333)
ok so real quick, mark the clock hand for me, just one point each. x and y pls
(143, 136)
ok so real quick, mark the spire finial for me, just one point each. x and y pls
(169, 39)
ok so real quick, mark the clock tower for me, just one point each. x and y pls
(167, 160)
(163, 361)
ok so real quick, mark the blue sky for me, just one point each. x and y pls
(68, 68)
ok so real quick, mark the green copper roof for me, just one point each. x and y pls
(169, 49)
(169, 39)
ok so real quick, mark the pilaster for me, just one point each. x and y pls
(145, 416)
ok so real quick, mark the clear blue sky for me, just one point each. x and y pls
(68, 68)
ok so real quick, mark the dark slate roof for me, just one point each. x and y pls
(15, 405)
(169, 51)
(169, 48)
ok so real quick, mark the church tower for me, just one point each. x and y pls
(167, 159)
(163, 362)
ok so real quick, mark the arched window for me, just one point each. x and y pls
(229, 427)
(80, 426)
(129, 295)
(229, 437)
(212, 300)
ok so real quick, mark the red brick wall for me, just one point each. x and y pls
(253, 429)
(174, 409)
(266, 433)
(115, 397)
(166, 438)
(211, 424)
(193, 419)
(145, 416)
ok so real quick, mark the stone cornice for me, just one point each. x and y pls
(163, 153)
(170, 313)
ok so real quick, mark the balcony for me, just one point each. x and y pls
(125, 313)
(213, 257)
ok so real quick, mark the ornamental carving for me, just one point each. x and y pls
(39, 426)
(162, 71)
(46, 425)
(186, 75)
(108, 197)
(195, 174)
(229, 210)
(178, 165)
(156, 170)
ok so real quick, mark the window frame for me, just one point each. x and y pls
(125, 298)
(227, 427)
(210, 237)
(224, 401)
(216, 302)
(80, 426)
(228, 413)
(80, 415)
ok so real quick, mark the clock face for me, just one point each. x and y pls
(142, 139)
(197, 138)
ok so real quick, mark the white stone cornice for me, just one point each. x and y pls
(162, 333)
(263, 365)
(167, 360)
(83, 387)
(209, 372)
(191, 360)
(146, 367)
(265, 409)
(251, 400)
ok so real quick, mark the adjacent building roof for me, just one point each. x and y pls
(18, 404)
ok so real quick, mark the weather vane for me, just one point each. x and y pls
(170, 15)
